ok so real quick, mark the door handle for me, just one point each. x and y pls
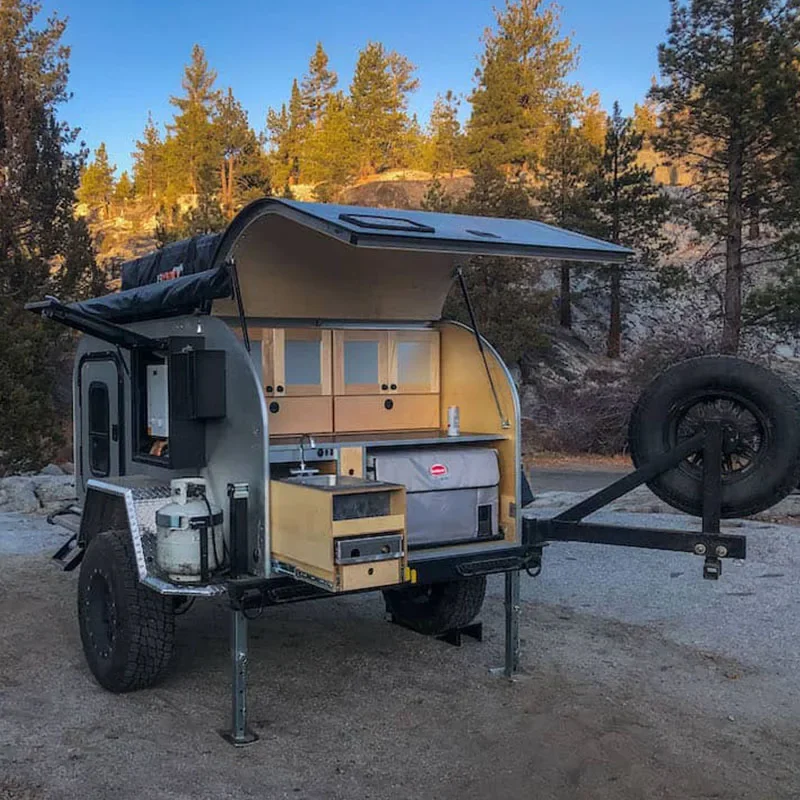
(115, 433)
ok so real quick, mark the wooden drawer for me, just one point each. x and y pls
(382, 413)
(299, 415)
(370, 575)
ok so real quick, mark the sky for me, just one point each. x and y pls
(128, 55)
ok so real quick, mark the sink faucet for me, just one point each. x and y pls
(306, 437)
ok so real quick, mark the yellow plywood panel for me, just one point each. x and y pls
(367, 525)
(380, 367)
(464, 384)
(381, 413)
(414, 362)
(353, 577)
(300, 524)
(287, 271)
(351, 461)
(299, 415)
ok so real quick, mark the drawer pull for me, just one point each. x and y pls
(384, 387)
(393, 386)
(388, 405)
(269, 389)
(274, 407)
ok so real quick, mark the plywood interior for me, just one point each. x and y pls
(464, 384)
(287, 271)
(299, 415)
(370, 412)
(303, 530)
(428, 365)
(351, 461)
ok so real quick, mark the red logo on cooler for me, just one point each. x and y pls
(438, 470)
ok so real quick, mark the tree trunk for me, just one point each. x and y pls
(565, 302)
(614, 342)
(732, 296)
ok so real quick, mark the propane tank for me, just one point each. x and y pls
(188, 548)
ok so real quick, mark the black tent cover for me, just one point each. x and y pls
(175, 260)
(182, 295)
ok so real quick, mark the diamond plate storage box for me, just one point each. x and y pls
(451, 493)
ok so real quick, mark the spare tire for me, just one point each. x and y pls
(760, 419)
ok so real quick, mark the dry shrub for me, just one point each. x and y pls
(590, 415)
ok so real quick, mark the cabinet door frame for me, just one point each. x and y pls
(340, 337)
(429, 338)
(273, 362)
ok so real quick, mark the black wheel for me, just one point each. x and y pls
(760, 419)
(437, 607)
(127, 630)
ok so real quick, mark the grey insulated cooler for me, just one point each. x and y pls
(451, 493)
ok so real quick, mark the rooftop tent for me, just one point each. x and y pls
(319, 261)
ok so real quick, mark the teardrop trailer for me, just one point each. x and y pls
(279, 413)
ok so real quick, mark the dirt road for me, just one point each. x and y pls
(627, 694)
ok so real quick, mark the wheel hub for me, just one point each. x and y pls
(744, 432)
(101, 615)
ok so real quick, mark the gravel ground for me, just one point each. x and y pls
(640, 680)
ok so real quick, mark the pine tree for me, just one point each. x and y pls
(378, 101)
(331, 157)
(97, 182)
(523, 69)
(279, 151)
(630, 209)
(297, 132)
(445, 141)
(238, 147)
(729, 105)
(148, 162)
(569, 157)
(123, 191)
(191, 125)
(44, 249)
(317, 86)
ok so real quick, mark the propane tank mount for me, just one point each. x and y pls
(186, 533)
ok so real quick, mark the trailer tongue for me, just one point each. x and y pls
(268, 415)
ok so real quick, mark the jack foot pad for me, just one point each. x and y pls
(248, 737)
(454, 636)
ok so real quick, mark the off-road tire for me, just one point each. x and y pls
(127, 630)
(438, 607)
(759, 413)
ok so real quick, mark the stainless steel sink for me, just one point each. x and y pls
(314, 480)
(331, 482)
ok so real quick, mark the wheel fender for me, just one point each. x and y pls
(103, 510)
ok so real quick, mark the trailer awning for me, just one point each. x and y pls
(323, 261)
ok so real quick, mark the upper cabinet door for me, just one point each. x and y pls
(360, 362)
(414, 362)
(297, 362)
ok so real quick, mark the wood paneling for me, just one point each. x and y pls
(340, 338)
(299, 415)
(370, 412)
(428, 365)
(302, 533)
(367, 525)
(351, 461)
(369, 576)
(287, 271)
(464, 384)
